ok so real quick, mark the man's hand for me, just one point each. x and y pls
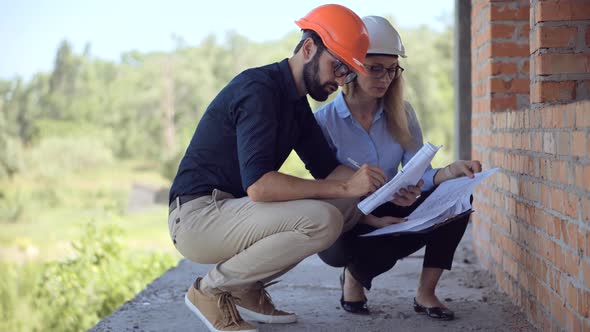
(366, 180)
(378, 222)
(407, 196)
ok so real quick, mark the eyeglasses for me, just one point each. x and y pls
(341, 69)
(378, 71)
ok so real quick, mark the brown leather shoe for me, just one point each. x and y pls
(256, 305)
(217, 312)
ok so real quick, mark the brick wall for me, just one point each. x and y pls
(531, 117)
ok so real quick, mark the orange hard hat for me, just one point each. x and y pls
(342, 32)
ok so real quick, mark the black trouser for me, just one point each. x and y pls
(368, 257)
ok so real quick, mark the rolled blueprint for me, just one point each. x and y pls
(410, 174)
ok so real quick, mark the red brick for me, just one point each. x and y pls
(586, 219)
(572, 264)
(579, 179)
(579, 144)
(581, 241)
(563, 146)
(547, 117)
(557, 199)
(525, 32)
(587, 37)
(573, 323)
(557, 309)
(549, 64)
(557, 111)
(560, 10)
(572, 206)
(515, 85)
(559, 171)
(583, 88)
(483, 53)
(510, 267)
(508, 12)
(494, 68)
(584, 303)
(503, 103)
(557, 222)
(478, 6)
(568, 120)
(525, 68)
(582, 110)
(482, 37)
(535, 119)
(544, 91)
(502, 30)
(572, 296)
(509, 49)
(553, 37)
(481, 89)
(586, 271)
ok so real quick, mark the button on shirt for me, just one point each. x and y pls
(250, 129)
(348, 139)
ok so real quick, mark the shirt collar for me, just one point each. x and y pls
(341, 107)
(289, 81)
(343, 111)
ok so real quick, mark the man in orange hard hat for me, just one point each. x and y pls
(231, 207)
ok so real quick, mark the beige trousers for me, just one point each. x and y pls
(255, 242)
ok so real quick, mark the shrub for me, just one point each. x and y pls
(11, 156)
(16, 286)
(12, 205)
(74, 294)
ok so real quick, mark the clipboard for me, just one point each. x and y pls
(435, 226)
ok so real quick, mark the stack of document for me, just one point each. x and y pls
(448, 201)
(410, 174)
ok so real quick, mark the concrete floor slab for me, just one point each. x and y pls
(312, 291)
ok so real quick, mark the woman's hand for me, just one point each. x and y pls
(379, 222)
(407, 196)
(457, 169)
(465, 168)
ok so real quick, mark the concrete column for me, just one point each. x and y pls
(462, 79)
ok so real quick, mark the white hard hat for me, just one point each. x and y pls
(383, 38)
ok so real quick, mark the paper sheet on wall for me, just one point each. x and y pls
(449, 199)
(410, 174)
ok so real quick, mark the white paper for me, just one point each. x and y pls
(410, 174)
(449, 199)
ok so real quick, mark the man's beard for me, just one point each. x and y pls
(311, 78)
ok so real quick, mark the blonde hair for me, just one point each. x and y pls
(395, 111)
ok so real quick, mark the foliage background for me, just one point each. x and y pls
(75, 140)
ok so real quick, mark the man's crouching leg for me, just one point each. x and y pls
(255, 243)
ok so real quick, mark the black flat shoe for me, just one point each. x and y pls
(357, 307)
(434, 312)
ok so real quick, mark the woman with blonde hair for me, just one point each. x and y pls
(370, 123)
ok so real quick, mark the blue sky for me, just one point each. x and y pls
(31, 30)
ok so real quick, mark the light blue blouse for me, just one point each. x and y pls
(348, 139)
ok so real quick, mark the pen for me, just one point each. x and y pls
(354, 163)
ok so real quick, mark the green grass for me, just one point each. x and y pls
(43, 213)
(56, 208)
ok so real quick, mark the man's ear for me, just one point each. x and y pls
(309, 49)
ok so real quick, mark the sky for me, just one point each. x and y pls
(30, 30)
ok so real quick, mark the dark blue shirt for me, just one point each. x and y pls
(248, 130)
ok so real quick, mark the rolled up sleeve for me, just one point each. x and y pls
(416, 132)
(256, 130)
